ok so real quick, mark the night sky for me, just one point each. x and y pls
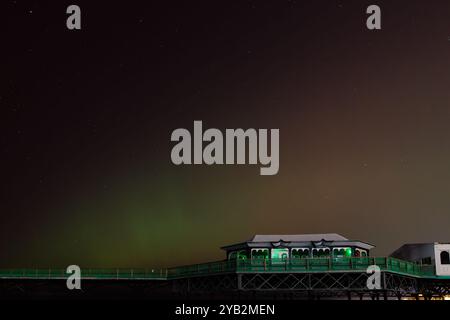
(364, 119)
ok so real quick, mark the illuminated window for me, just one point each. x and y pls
(279, 254)
(348, 252)
(342, 252)
(242, 255)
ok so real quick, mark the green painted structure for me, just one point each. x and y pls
(303, 265)
(266, 254)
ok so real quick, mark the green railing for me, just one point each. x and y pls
(108, 274)
(232, 266)
(335, 265)
(218, 267)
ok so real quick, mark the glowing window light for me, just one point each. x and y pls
(348, 252)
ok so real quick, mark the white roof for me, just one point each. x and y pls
(298, 237)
